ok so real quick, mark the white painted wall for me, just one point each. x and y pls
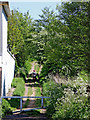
(9, 71)
(7, 61)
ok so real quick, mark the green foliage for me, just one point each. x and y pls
(62, 38)
(76, 18)
(19, 39)
(85, 75)
(15, 40)
(55, 92)
(24, 71)
(46, 69)
(28, 65)
(68, 101)
(15, 103)
(73, 105)
(6, 108)
(0, 109)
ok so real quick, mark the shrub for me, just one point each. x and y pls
(54, 91)
(26, 69)
(23, 71)
(14, 102)
(28, 65)
(67, 101)
(44, 73)
(6, 108)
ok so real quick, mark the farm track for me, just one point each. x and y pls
(31, 104)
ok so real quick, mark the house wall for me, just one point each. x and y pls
(7, 61)
(0, 33)
(8, 72)
(0, 49)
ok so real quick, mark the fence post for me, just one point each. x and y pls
(20, 104)
(42, 103)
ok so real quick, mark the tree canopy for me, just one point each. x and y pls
(59, 39)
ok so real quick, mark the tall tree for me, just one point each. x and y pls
(76, 17)
(19, 30)
(66, 37)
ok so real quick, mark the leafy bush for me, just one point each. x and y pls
(23, 70)
(28, 65)
(0, 109)
(14, 102)
(67, 101)
(6, 108)
(54, 91)
(44, 73)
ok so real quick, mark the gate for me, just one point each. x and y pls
(21, 97)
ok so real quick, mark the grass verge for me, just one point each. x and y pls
(19, 84)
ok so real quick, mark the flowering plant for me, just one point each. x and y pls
(69, 101)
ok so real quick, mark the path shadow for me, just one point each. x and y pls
(33, 85)
(29, 115)
(30, 80)
(31, 103)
